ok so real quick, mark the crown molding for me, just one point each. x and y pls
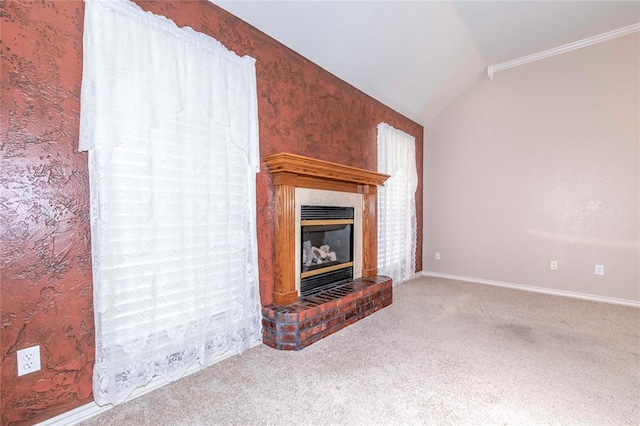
(493, 69)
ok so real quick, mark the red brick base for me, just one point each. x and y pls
(312, 318)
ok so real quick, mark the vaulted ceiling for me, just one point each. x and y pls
(418, 56)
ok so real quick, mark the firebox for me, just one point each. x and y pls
(326, 247)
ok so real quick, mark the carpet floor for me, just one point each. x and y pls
(446, 352)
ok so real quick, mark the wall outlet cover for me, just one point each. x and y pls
(599, 269)
(28, 360)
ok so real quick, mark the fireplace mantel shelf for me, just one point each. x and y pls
(305, 167)
(290, 171)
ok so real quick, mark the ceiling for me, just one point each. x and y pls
(418, 56)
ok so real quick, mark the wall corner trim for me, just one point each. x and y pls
(534, 289)
(493, 69)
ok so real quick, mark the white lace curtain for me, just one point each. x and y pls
(169, 117)
(397, 225)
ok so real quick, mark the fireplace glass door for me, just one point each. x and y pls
(326, 247)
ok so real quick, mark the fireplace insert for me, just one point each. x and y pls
(326, 247)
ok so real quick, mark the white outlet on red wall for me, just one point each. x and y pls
(28, 360)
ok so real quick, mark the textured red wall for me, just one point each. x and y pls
(46, 258)
(46, 264)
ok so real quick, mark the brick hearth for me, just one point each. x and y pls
(309, 319)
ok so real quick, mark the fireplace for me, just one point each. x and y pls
(326, 275)
(326, 247)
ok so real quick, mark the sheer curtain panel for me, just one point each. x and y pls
(397, 224)
(169, 117)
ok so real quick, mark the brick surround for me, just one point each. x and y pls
(309, 319)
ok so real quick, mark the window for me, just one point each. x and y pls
(396, 204)
(169, 117)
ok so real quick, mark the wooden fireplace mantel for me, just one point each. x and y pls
(289, 171)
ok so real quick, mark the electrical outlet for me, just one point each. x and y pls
(554, 265)
(599, 269)
(28, 360)
(437, 255)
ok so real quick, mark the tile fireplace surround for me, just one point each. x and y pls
(291, 322)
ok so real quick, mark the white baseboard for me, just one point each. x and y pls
(92, 409)
(591, 297)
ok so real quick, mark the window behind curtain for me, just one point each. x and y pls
(169, 117)
(397, 224)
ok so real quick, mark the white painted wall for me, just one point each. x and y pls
(541, 164)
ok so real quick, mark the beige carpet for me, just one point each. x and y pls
(445, 352)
